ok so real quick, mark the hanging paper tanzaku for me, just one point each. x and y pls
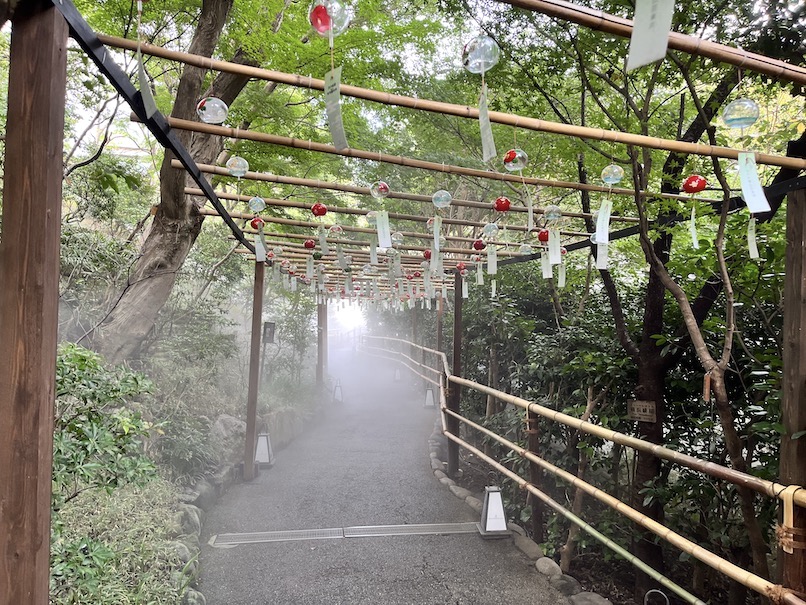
(650, 32)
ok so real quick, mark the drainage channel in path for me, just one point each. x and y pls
(365, 531)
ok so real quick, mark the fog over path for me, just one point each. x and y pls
(363, 462)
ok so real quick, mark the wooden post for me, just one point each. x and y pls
(320, 343)
(29, 274)
(793, 404)
(454, 389)
(535, 477)
(254, 374)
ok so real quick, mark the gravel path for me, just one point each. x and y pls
(363, 462)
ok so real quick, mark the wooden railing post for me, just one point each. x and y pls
(793, 404)
(454, 390)
(29, 297)
(535, 476)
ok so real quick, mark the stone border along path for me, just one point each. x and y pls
(564, 583)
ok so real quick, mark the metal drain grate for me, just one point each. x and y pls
(428, 529)
(366, 531)
(278, 536)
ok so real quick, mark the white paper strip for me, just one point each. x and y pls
(752, 245)
(323, 245)
(437, 230)
(492, 260)
(439, 268)
(398, 267)
(149, 103)
(309, 267)
(603, 222)
(444, 291)
(312, 286)
(752, 192)
(373, 253)
(333, 108)
(260, 251)
(428, 303)
(545, 265)
(464, 288)
(555, 257)
(601, 256)
(348, 285)
(487, 142)
(286, 281)
(384, 232)
(493, 289)
(294, 283)
(340, 256)
(650, 32)
(479, 275)
(692, 229)
(561, 276)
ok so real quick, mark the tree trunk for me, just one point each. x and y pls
(177, 221)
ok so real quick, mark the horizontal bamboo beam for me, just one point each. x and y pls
(318, 184)
(464, 111)
(363, 212)
(693, 45)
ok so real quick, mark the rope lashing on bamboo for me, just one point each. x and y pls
(534, 124)
(318, 184)
(693, 45)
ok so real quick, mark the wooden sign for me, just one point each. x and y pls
(642, 411)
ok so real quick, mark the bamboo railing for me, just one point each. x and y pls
(788, 495)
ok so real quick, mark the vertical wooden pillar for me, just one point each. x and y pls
(320, 343)
(29, 294)
(455, 391)
(793, 404)
(535, 477)
(254, 374)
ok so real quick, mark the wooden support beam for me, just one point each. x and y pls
(29, 274)
(249, 471)
(793, 403)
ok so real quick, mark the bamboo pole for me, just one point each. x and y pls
(693, 45)
(582, 132)
(533, 489)
(534, 124)
(362, 212)
(744, 577)
(761, 486)
(757, 484)
(318, 184)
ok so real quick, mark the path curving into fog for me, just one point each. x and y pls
(364, 462)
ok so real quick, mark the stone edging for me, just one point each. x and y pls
(563, 583)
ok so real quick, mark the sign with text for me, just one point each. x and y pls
(642, 411)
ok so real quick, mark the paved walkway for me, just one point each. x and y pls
(363, 463)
